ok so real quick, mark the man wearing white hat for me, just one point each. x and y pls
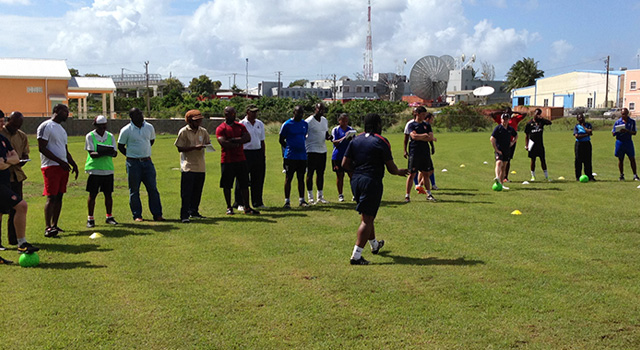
(101, 147)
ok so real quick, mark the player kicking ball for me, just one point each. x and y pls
(367, 156)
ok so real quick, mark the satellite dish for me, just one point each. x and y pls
(390, 86)
(483, 91)
(449, 61)
(429, 77)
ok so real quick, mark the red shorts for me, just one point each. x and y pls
(55, 180)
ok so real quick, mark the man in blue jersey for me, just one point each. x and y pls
(623, 129)
(582, 132)
(341, 137)
(293, 134)
(367, 156)
(502, 139)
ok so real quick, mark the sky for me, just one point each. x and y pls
(314, 39)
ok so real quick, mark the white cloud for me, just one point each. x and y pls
(15, 2)
(560, 49)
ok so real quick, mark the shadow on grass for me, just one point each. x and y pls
(72, 248)
(457, 189)
(111, 232)
(244, 218)
(535, 189)
(440, 200)
(70, 265)
(404, 260)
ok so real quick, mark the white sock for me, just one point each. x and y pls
(301, 199)
(286, 200)
(90, 217)
(357, 253)
(310, 195)
(533, 173)
(407, 195)
(320, 194)
(373, 243)
(24, 240)
(546, 173)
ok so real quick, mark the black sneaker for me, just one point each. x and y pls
(360, 261)
(5, 261)
(186, 221)
(431, 199)
(58, 229)
(621, 178)
(90, 223)
(287, 205)
(111, 221)
(380, 245)
(304, 204)
(251, 212)
(196, 216)
(26, 248)
(50, 232)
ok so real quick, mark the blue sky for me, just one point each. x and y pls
(313, 39)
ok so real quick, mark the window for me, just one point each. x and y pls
(346, 89)
(366, 89)
(546, 102)
(632, 85)
(358, 88)
(632, 106)
(590, 102)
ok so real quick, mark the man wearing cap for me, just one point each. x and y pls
(134, 142)
(502, 139)
(254, 151)
(191, 141)
(20, 143)
(232, 135)
(55, 163)
(101, 147)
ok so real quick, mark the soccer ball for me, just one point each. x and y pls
(496, 187)
(29, 260)
(584, 178)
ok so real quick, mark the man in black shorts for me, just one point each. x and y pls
(367, 156)
(420, 161)
(10, 200)
(533, 143)
(501, 142)
(293, 135)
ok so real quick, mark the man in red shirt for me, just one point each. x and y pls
(231, 136)
(513, 122)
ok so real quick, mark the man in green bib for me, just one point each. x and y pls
(101, 146)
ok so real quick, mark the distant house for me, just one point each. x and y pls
(586, 88)
(632, 92)
(33, 86)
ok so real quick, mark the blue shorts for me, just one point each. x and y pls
(367, 193)
(624, 147)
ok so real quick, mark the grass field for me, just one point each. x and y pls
(462, 273)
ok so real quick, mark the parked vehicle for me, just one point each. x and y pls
(612, 113)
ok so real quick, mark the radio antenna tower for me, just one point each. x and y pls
(368, 54)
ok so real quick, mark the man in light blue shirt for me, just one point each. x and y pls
(623, 129)
(134, 142)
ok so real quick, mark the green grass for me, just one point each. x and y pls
(458, 274)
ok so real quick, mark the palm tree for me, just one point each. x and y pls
(523, 73)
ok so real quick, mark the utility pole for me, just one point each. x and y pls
(146, 72)
(247, 81)
(234, 78)
(606, 91)
(279, 73)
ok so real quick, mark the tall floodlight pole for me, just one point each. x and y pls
(368, 55)
(606, 91)
(146, 72)
(247, 77)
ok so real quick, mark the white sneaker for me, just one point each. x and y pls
(311, 201)
(240, 208)
(340, 198)
(505, 187)
(434, 187)
(322, 200)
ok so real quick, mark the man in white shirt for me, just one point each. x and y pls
(316, 146)
(55, 163)
(254, 151)
(134, 142)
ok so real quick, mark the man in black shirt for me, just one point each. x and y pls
(367, 156)
(420, 163)
(501, 142)
(10, 200)
(533, 143)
